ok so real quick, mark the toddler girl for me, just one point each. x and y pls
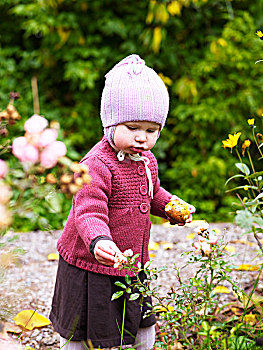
(112, 214)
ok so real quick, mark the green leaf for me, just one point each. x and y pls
(134, 296)
(147, 264)
(54, 201)
(117, 295)
(128, 279)
(233, 177)
(136, 256)
(243, 168)
(259, 196)
(244, 219)
(119, 284)
(256, 174)
(205, 325)
(242, 187)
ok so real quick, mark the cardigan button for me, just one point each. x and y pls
(141, 170)
(144, 208)
(143, 190)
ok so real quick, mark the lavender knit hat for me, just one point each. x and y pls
(132, 92)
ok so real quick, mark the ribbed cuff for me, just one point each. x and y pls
(95, 240)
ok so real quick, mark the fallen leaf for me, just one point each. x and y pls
(152, 255)
(230, 248)
(250, 318)
(191, 236)
(247, 267)
(176, 346)
(221, 289)
(168, 245)
(237, 311)
(53, 256)
(153, 245)
(244, 241)
(160, 308)
(30, 319)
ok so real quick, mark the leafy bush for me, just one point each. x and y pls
(191, 315)
(205, 51)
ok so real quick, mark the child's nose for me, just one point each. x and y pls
(141, 136)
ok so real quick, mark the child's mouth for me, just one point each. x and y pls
(137, 149)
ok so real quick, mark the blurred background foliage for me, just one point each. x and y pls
(205, 51)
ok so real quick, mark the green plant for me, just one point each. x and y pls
(249, 214)
(191, 315)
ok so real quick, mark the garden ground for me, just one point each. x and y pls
(29, 285)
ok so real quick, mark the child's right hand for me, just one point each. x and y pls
(106, 252)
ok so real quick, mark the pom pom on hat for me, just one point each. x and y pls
(133, 92)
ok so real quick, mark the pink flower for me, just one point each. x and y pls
(206, 248)
(30, 154)
(18, 146)
(203, 227)
(49, 156)
(197, 246)
(58, 148)
(3, 169)
(122, 258)
(32, 138)
(47, 137)
(24, 151)
(213, 239)
(35, 124)
(128, 253)
(201, 239)
(48, 159)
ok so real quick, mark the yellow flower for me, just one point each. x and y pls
(246, 188)
(251, 121)
(245, 145)
(260, 34)
(231, 141)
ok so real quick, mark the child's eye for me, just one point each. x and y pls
(151, 131)
(131, 127)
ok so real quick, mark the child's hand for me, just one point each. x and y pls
(106, 252)
(191, 208)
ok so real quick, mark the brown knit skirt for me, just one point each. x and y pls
(82, 308)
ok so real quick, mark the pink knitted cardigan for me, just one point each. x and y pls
(115, 204)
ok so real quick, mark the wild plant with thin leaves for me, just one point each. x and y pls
(190, 315)
(249, 214)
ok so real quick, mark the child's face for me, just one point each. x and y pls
(136, 137)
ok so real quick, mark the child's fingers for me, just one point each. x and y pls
(106, 252)
(192, 208)
(105, 255)
(189, 219)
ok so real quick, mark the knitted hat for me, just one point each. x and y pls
(132, 92)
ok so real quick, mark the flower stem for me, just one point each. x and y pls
(255, 138)
(248, 179)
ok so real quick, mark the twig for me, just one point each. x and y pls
(35, 95)
(257, 239)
